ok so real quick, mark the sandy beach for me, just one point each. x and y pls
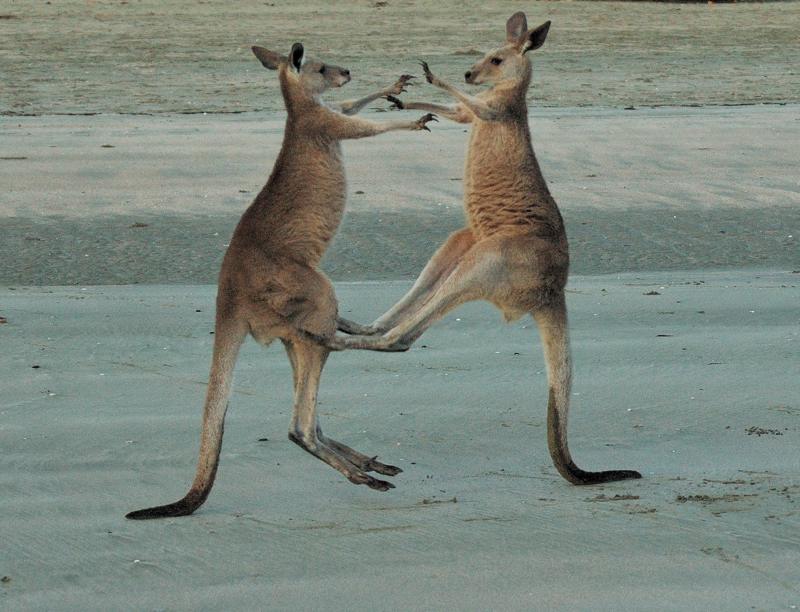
(133, 135)
(148, 56)
(117, 199)
(696, 387)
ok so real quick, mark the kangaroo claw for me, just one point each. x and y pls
(400, 85)
(396, 102)
(428, 74)
(424, 119)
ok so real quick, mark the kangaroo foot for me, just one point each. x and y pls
(314, 445)
(360, 460)
(382, 468)
(373, 483)
(351, 327)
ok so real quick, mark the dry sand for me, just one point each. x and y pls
(697, 387)
(76, 56)
(121, 199)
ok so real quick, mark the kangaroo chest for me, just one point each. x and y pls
(504, 190)
(320, 202)
(299, 210)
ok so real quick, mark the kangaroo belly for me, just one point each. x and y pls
(533, 273)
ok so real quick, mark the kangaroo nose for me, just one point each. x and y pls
(346, 72)
(467, 74)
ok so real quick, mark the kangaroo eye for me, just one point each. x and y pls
(497, 61)
(322, 70)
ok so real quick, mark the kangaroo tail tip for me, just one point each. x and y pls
(589, 478)
(180, 508)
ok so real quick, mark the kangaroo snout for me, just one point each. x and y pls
(468, 75)
(343, 78)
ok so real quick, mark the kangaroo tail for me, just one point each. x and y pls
(552, 322)
(227, 341)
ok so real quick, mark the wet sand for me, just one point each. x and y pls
(696, 387)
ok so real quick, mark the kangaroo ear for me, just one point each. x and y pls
(296, 56)
(516, 26)
(535, 37)
(268, 58)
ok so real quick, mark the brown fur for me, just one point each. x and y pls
(270, 285)
(514, 252)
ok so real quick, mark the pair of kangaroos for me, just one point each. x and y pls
(513, 253)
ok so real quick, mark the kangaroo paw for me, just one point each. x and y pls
(396, 102)
(422, 121)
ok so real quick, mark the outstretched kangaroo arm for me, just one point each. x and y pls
(478, 107)
(458, 113)
(351, 107)
(347, 128)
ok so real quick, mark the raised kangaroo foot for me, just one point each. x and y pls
(351, 471)
(351, 327)
(358, 341)
(361, 461)
(396, 102)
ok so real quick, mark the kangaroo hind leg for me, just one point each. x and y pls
(360, 460)
(435, 272)
(479, 274)
(308, 360)
(351, 327)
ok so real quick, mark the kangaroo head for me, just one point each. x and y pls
(310, 76)
(509, 62)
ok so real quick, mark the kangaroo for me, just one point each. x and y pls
(269, 284)
(514, 252)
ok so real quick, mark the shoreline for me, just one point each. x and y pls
(532, 107)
